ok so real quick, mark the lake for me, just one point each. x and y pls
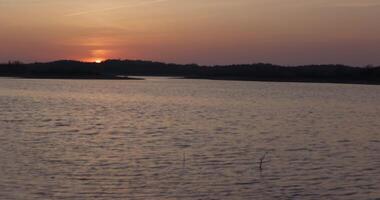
(166, 138)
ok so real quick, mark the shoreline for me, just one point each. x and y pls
(275, 80)
(278, 80)
(122, 69)
(74, 77)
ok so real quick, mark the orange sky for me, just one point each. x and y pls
(192, 31)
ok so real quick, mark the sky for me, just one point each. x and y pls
(287, 32)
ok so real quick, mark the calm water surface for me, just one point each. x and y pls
(188, 139)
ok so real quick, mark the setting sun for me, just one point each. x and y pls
(98, 61)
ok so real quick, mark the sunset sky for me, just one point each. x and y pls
(289, 32)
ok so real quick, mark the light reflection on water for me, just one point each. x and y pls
(188, 139)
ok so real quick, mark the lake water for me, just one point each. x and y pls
(165, 138)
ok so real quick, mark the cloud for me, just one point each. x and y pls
(357, 4)
(129, 5)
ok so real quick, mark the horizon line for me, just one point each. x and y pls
(163, 62)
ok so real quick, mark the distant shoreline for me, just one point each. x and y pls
(285, 80)
(75, 77)
(201, 78)
(124, 69)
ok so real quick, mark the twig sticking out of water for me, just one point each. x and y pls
(262, 161)
(184, 159)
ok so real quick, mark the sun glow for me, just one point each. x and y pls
(93, 60)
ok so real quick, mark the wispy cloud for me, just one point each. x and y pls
(357, 4)
(129, 5)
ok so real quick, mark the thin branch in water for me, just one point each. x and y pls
(183, 160)
(262, 161)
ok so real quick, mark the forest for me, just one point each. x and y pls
(121, 69)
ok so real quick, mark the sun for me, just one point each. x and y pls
(98, 61)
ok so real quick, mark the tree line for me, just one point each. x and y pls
(258, 71)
